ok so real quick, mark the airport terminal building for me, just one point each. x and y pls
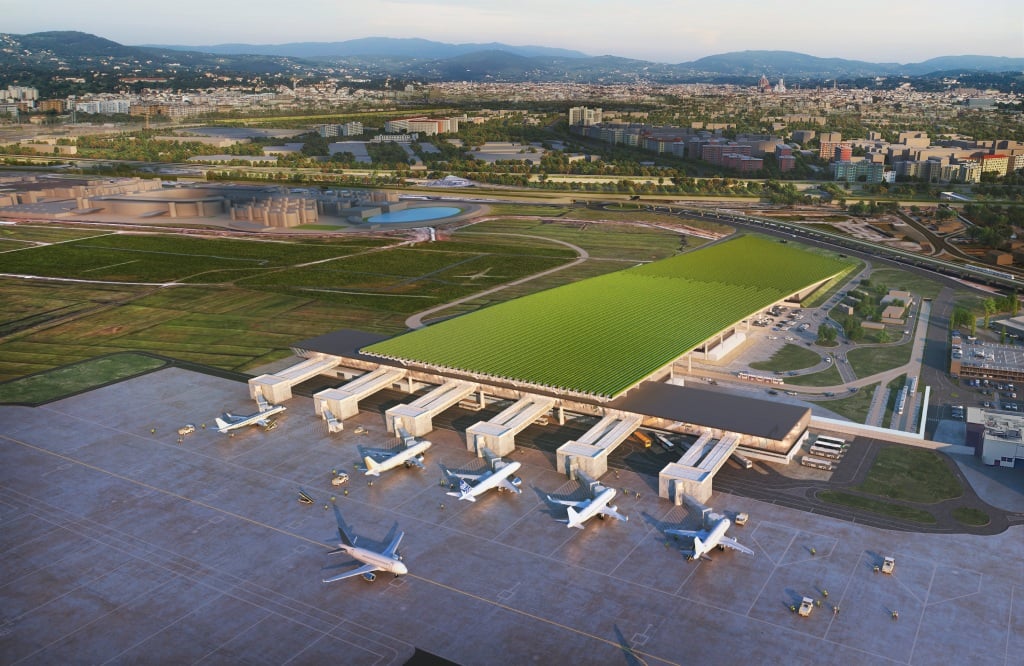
(578, 350)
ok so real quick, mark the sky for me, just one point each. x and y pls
(660, 30)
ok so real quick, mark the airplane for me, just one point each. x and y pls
(597, 505)
(233, 421)
(411, 455)
(372, 561)
(499, 477)
(716, 525)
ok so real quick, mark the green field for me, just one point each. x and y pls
(828, 377)
(880, 507)
(856, 406)
(602, 335)
(790, 357)
(618, 242)
(970, 516)
(159, 258)
(46, 234)
(867, 361)
(72, 379)
(250, 299)
(911, 474)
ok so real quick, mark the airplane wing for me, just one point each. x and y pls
(567, 502)
(414, 460)
(612, 513)
(467, 477)
(358, 571)
(393, 546)
(685, 533)
(508, 485)
(729, 542)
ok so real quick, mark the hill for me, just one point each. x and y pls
(377, 46)
(25, 58)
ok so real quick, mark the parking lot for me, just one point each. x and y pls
(120, 544)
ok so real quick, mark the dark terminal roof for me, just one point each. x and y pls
(711, 409)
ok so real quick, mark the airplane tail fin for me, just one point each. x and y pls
(221, 424)
(698, 546)
(372, 467)
(573, 518)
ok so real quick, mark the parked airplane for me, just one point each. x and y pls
(598, 505)
(411, 455)
(499, 477)
(233, 421)
(373, 561)
(713, 534)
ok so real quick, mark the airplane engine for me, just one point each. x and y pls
(369, 577)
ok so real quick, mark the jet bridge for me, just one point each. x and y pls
(417, 417)
(499, 433)
(277, 388)
(343, 402)
(693, 473)
(589, 453)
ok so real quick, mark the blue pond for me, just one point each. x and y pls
(415, 215)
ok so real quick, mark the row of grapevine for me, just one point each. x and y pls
(603, 335)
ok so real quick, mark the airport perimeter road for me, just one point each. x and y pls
(122, 545)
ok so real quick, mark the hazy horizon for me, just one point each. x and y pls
(668, 31)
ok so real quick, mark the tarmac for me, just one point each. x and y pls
(121, 544)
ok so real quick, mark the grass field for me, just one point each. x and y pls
(894, 278)
(789, 357)
(880, 507)
(856, 406)
(656, 218)
(970, 516)
(157, 258)
(617, 242)
(584, 337)
(910, 474)
(827, 377)
(867, 361)
(46, 234)
(72, 379)
(44, 324)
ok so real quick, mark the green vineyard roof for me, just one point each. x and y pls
(603, 335)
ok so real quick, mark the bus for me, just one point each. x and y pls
(834, 441)
(817, 463)
(825, 452)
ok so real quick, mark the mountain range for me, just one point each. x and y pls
(425, 60)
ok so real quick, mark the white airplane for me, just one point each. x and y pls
(716, 525)
(233, 421)
(598, 505)
(373, 561)
(499, 477)
(411, 455)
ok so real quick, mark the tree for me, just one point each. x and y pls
(990, 309)
(826, 334)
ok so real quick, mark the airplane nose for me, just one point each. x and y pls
(400, 569)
